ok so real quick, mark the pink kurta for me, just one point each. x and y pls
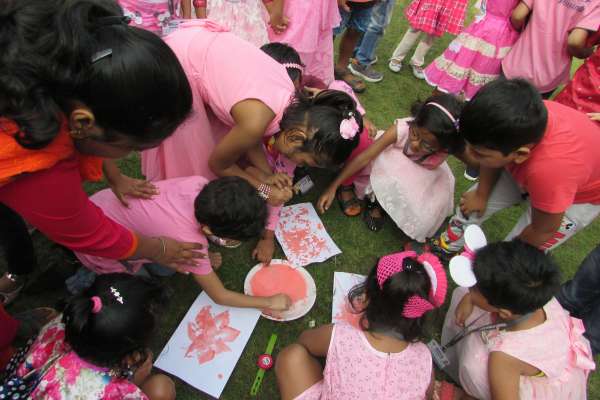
(223, 70)
(556, 347)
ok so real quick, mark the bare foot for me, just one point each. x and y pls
(215, 260)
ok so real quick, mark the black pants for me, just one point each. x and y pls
(15, 242)
(581, 297)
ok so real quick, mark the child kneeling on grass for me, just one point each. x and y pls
(192, 208)
(98, 348)
(532, 348)
(383, 358)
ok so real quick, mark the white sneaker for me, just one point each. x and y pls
(417, 71)
(395, 65)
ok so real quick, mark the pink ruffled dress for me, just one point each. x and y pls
(557, 348)
(223, 70)
(475, 57)
(310, 33)
(152, 15)
(356, 370)
(244, 18)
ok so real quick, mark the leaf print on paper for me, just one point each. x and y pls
(209, 335)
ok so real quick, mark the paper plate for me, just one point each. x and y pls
(299, 308)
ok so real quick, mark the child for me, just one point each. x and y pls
(310, 31)
(156, 16)
(554, 32)
(581, 297)
(532, 349)
(582, 93)
(405, 169)
(99, 347)
(244, 18)
(191, 208)
(529, 150)
(474, 58)
(429, 19)
(381, 359)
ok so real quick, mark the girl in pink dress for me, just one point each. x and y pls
(381, 359)
(427, 19)
(535, 350)
(245, 18)
(474, 58)
(405, 173)
(155, 15)
(310, 32)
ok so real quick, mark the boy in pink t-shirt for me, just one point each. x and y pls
(556, 31)
(529, 150)
(188, 209)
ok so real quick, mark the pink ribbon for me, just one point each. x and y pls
(468, 253)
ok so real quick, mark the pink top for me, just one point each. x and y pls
(169, 214)
(556, 347)
(355, 370)
(564, 168)
(540, 55)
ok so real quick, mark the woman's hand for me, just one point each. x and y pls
(280, 181)
(326, 200)
(279, 197)
(123, 186)
(463, 310)
(177, 255)
(265, 248)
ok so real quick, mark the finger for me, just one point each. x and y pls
(266, 261)
(190, 246)
(254, 254)
(122, 199)
(192, 255)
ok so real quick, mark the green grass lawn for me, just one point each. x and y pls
(384, 102)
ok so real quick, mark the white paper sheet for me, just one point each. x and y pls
(343, 282)
(303, 237)
(207, 344)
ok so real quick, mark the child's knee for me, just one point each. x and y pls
(159, 387)
(290, 358)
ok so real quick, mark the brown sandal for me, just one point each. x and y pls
(347, 205)
(355, 83)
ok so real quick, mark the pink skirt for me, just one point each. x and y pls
(436, 17)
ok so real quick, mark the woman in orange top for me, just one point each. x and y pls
(77, 85)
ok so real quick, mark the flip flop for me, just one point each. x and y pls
(357, 84)
(227, 243)
(345, 205)
(374, 223)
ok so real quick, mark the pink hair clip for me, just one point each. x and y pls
(96, 304)
(416, 306)
(294, 66)
(349, 127)
(461, 266)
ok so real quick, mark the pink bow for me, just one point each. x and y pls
(349, 128)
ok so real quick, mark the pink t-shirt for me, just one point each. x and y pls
(540, 55)
(169, 214)
(564, 168)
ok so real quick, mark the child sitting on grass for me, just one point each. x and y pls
(384, 358)
(192, 208)
(533, 349)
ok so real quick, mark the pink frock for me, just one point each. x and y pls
(310, 33)
(355, 370)
(152, 15)
(223, 70)
(437, 17)
(417, 198)
(474, 58)
(244, 18)
(556, 347)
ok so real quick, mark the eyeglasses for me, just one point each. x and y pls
(416, 137)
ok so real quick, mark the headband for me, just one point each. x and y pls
(349, 127)
(299, 67)
(445, 111)
(461, 266)
(416, 305)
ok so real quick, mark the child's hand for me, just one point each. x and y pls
(463, 310)
(278, 21)
(280, 302)
(371, 128)
(326, 200)
(280, 181)
(471, 202)
(594, 116)
(264, 249)
(343, 4)
(126, 186)
(279, 197)
(311, 92)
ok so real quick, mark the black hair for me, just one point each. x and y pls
(119, 329)
(516, 276)
(321, 116)
(504, 115)
(284, 53)
(139, 90)
(433, 119)
(383, 311)
(231, 208)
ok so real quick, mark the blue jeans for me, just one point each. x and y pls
(358, 18)
(381, 15)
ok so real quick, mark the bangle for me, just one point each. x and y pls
(264, 191)
(164, 245)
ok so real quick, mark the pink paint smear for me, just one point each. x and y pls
(349, 314)
(301, 240)
(279, 278)
(209, 335)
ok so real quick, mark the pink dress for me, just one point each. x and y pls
(556, 347)
(437, 17)
(169, 213)
(474, 58)
(418, 197)
(355, 370)
(152, 15)
(310, 33)
(68, 376)
(244, 18)
(223, 70)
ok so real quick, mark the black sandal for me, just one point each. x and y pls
(374, 223)
(346, 204)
